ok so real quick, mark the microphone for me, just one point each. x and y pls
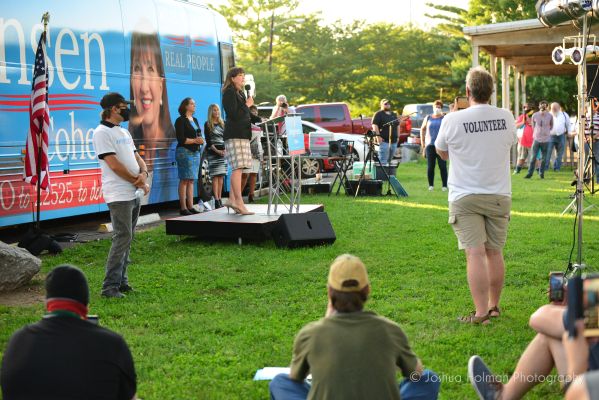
(247, 90)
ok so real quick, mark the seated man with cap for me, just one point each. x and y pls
(64, 356)
(352, 353)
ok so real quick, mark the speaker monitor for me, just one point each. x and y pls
(307, 229)
(337, 148)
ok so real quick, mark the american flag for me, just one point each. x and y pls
(38, 111)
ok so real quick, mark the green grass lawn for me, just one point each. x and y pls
(208, 314)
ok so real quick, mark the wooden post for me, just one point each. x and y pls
(505, 79)
(516, 93)
(475, 56)
(494, 75)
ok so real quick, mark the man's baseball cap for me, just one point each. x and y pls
(113, 99)
(67, 282)
(348, 274)
(384, 101)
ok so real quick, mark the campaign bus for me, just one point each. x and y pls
(153, 52)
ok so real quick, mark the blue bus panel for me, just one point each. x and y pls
(154, 52)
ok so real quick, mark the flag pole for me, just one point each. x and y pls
(45, 20)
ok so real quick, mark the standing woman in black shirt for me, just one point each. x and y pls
(238, 133)
(189, 139)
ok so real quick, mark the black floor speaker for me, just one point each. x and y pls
(307, 229)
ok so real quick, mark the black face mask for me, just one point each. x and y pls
(542, 108)
(125, 113)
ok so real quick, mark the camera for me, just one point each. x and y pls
(583, 302)
(284, 105)
(370, 134)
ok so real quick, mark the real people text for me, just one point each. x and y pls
(485, 126)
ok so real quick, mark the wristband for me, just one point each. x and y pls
(147, 175)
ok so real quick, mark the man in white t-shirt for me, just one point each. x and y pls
(123, 172)
(478, 140)
(561, 128)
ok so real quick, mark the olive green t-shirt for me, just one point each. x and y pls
(352, 356)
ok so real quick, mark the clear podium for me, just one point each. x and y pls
(276, 192)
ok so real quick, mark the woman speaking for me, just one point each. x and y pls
(238, 133)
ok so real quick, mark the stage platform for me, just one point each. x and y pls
(220, 224)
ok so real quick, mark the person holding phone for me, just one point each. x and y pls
(546, 351)
(429, 132)
(189, 138)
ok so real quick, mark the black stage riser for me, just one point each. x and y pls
(300, 230)
(220, 224)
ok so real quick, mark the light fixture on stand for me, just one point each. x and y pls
(552, 13)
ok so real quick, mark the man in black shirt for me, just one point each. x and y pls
(64, 356)
(387, 136)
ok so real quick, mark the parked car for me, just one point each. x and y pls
(336, 118)
(417, 113)
(311, 166)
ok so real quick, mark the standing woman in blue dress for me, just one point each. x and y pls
(189, 139)
(238, 133)
(428, 135)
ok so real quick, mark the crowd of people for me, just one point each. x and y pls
(351, 353)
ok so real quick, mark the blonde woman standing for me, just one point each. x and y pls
(214, 129)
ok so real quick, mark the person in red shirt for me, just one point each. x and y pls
(525, 141)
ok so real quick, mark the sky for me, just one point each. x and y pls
(395, 11)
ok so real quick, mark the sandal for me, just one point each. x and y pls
(494, 309)
(472, 319)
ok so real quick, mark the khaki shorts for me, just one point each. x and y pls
(481, 218)
(524, 153)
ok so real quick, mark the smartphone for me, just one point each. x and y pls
(462, 103)
(556, 287)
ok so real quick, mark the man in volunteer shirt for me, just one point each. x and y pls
(478, 140)
(352, 353)
(65, 356)
(123, 171)
(525, 142)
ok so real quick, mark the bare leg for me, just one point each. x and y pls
(496, 277)
(235, 192)
(520, 162)
(217, 187)
(539, 358)
(253, 179)
(546, 320)
(190, 194)
(244, 180)
(182, 193)
(478, 278)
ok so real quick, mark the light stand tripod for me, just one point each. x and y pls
(579, 267)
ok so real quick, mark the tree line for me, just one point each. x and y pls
(362, 63)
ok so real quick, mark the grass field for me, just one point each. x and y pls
(208, 314)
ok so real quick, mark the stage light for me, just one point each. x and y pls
(555, 12)
(591, 54)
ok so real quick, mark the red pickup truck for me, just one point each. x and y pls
(336, 117)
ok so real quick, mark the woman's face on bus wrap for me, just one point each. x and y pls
(147, 87)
